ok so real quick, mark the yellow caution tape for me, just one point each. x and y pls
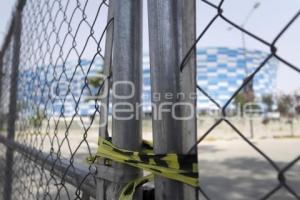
(178, 167)
(130, 188)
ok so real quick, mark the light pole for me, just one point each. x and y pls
(248, 92)
(243, 25)
(249, 87)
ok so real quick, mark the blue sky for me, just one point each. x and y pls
(5, 15)
(265, 22)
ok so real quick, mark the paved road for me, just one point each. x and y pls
(232, 170)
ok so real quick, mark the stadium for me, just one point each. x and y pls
(220, 71)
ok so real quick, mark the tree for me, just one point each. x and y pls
(268, 101)
(95, 82)
(286, 108)
(297, 109)
(285, 104)
(240, 101)
(37, 119)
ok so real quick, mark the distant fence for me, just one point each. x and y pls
(43, 152)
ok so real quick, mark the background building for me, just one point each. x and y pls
(220, 71)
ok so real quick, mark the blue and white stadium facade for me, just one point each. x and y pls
(220, 71)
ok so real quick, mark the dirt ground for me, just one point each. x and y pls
(229, 168)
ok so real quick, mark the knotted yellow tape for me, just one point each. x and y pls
(177, 167)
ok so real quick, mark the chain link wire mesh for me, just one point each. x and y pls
(61, 50)
(283, 182)
(59, 59)
(2, 166)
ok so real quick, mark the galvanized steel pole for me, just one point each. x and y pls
(187, 36)
(17, 23)
(103, 123)
(1, 85)
(126, 95)
(171, 34)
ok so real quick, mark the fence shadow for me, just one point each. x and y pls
(244, 178)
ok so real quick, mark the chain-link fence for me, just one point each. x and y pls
(58, 56)
(61, 45)
(281, 171)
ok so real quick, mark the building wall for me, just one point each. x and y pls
(220, 71)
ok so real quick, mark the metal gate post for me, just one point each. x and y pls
(1, 83)
(126, 71)
(101, 182)
(126, 94)
(171, 34)
(187, 37)
(17, 24)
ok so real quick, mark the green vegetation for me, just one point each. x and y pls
(285, 104)
(37, 120)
